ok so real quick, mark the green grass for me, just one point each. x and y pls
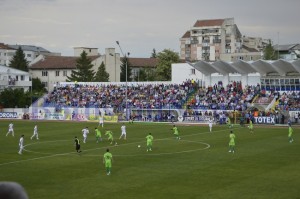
(265, 164)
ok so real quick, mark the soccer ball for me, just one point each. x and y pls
(139, 146)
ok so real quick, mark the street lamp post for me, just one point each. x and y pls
(126, 97)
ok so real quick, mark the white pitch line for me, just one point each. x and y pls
(61, 154)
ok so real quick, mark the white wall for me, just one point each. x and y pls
(183, 71)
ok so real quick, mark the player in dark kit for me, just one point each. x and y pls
(77, 144)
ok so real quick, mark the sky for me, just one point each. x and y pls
(139, 25)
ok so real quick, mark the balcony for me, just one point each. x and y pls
(194, 42)
(22, 84)
(216, 41)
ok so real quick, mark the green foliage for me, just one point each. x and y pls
(84, 72)
(37, 85)
(19, 61)
(153, 55)
(147, 74)
(165, 59)
(102, 75)
(12, 98)
(265, 165)
(125, 60)
(269, 52)
(38, 89)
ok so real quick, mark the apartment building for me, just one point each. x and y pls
(7, 52)
(218, 39)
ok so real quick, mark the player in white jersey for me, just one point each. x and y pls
(35, 133)
(85, 132)
(210, 124)
(21, 142)
(101, 121)
(123, 132)
(11, 129)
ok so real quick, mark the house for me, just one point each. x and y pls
(138, 64)
(288, 51)
(52, 69)
(14, 78)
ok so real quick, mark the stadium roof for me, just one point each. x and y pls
(264, 67)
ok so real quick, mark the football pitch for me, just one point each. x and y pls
(265, 165)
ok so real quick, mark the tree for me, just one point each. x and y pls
(147, 74)
(153, 55)
(269, 52)
(83, 72)
(101, 75)
(165, 60)
(37, 85)
(19, 61)
(11, 98)
(38, 89)
(123, 70)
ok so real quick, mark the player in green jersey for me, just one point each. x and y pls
(231, 142)
(98, 135)
(251, 126)
(229, 123)
(107, 160)
(176, 132)
(149, 139)
(290, 134)
(110, 137)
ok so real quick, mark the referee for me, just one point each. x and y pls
(77, 144)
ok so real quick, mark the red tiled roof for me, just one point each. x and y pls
(187, 34)
(58, 62)
(143, 62)
(210, 22)
(4, 46)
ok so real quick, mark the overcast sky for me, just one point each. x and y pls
(139, 25)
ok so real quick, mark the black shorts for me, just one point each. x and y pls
(77, 147)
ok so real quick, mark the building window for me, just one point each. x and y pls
(64, 73)
(22, 78)
(28, 55)
(44, 73)
(193, 71)
(57, 73)
(45, 84)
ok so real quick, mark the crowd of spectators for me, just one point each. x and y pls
(168, 96)
(228, 97)
(289, 101)
(150, 96)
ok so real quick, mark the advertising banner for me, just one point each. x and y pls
(9, 115)
(196, 118)
(264, 120)
(54, 116)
